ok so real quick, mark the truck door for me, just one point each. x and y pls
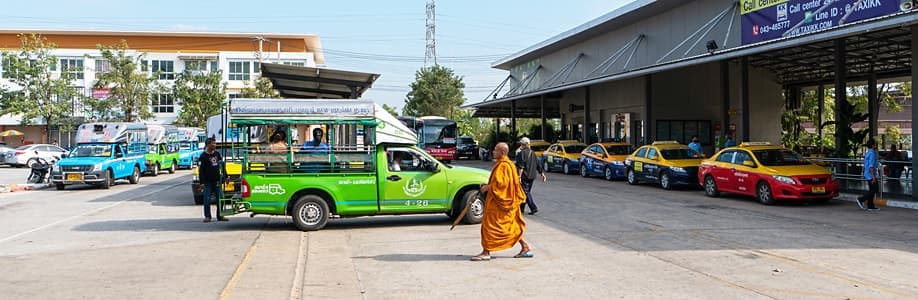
(412, 182)
(119, 167)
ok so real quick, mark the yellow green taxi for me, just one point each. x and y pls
(768, 172)
(605, 159)
(668, 163)
(538, 147)
(563, 156)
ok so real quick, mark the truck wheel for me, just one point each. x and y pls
(172, 168)
(156, 169)
(135, 177)
(310, 213)
(109, 180)
(59, 186)
(476, 211)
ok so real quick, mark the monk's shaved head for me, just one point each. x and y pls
(501, 150)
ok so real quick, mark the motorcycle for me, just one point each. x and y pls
(40, 169)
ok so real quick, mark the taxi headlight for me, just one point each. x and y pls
(677, 169)
(784, 179)
(618, 163)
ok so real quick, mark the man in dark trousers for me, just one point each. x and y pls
(871, 163)
(528, 164)
(211, 174)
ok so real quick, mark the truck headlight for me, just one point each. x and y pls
(677, 169)
(97, 167)
(784, 179)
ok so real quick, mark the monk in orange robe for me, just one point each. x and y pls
(502, 225)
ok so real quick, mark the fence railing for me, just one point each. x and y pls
(853, 169)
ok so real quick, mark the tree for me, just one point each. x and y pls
(435, 91)
(390, 109)
(131, 90)
(263, 89)
(201, 96)
(39, 95)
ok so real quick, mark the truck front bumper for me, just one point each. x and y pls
(90, 177)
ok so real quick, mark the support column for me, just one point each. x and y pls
(841, 95)
(744, 97)
(725, 97)
(649, 133)
(563, 128)
(512, 140)
(914, 111)
(821, 98)
(544, 121)
(496, 130)
(873, 106)
(587, 129)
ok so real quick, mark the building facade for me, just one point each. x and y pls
(168, 54)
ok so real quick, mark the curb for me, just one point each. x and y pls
(9, 188)
(881, 202)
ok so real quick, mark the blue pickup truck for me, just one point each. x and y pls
(191, 145)
(105, 152)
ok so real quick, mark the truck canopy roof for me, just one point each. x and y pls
(189, 134)
(112, 132)
(160, 134)
(228, 133)
(388, 129)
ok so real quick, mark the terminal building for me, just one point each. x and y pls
(238, 55)
(668, 70)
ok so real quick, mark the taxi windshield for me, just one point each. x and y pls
(619, 149)
(574, 148)
(679, 153)
(779, 157)
(91, 151)
(539, 147)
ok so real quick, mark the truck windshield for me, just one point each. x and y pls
(92, 151)
(185, 146)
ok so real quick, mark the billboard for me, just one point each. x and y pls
(764, 20)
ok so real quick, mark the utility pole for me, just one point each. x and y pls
(431, 53)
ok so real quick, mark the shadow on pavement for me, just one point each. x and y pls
(416, 257)
(186, 224)
(388, 221)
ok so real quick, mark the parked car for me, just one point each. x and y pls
(4, 149)
(564, 156)
(20, 157)
(666, 162)
(466, 146)
(768, 172)
(605, 159)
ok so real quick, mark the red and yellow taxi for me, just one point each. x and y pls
(605, 159)
(768, 172)
(666, 162)
(563, 155)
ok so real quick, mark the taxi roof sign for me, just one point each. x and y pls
(665, 143)
(750, 144)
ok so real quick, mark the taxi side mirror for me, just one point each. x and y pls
(749, 163)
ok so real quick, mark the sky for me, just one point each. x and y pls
(383, 37)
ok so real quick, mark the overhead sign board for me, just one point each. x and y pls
(764, 20)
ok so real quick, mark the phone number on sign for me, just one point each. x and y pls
(775, 27)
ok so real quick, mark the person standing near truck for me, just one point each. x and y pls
(211, 174)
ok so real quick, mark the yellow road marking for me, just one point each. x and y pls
(228, 289)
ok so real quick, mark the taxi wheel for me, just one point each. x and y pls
(583, 171)
(664, 181)
(172, 168)
(545, 166)
(608, 173)
(566, 168)
(310, 213)
(135, 177)
(763, 192)
(710, 187)
(632, 179)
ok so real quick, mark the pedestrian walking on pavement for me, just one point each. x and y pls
(211, 174)
(502, 224)
(528, 165)
(871, 164)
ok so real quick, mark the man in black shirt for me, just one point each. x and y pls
(210, 173)
(528, 164)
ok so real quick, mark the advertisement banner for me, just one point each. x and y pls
(764, 20)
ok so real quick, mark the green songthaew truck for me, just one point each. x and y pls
(355, 160)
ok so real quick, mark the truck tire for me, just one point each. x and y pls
(155, 169)
(310, 213)
(172, 168)
(135, 177)
(59, 186)
(476, 211)
(109, 180)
